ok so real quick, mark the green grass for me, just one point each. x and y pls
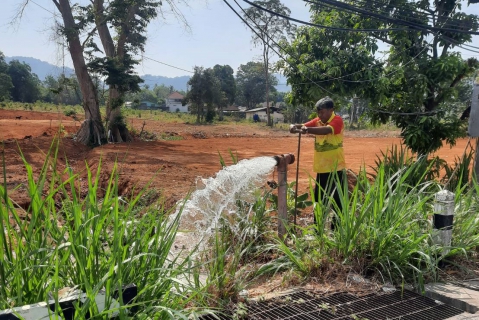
(69, 239)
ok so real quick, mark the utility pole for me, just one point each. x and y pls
(473, 129)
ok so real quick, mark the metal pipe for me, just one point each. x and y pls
(297, 176)
(282, 162)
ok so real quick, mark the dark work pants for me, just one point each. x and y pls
(329, 187)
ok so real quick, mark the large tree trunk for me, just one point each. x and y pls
(91, 131)
(118, 131)
(116, 124)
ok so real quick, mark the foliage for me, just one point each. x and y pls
(70, 112)
(225, 75)
(293, 203)
(26, 86)
(396, 160)
(89, 243)
(5, 79)
(61, 90)
(460, 174)
(268, 29)
(204, 95)
(251, 81)
(418, 82)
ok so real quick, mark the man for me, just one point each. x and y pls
(329, 159)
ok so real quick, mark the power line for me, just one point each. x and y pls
(371, 5)
(321, 26)
(389, 19)
(245, 22)
(143, 56)
(349, 29)
(315, 82)
(166, 64)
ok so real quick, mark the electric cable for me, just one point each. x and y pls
(389, 19)
(315, 82)
(338, 78)
(319, 25)
(259, 36)
(373, 5)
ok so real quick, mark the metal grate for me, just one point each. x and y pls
(306, 305)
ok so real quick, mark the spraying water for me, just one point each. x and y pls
(217, 198)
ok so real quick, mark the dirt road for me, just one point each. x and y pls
(173, 166)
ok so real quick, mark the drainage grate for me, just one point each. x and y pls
(306, 305)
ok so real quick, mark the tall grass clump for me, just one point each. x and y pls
(383, 231)
(67, 238)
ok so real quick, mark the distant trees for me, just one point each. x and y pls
(5, 79)
(227, 81)
(251, 82)
(61, 90)
(26, 85)
(204, 94)
(269, 29)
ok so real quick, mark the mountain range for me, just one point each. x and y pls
(43, 69)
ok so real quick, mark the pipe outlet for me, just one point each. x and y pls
(282, 160)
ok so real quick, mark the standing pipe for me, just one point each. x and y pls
(297, 175)
(282, 162)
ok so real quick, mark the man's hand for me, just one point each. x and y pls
(296, 128)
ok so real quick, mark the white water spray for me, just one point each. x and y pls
(218, 196)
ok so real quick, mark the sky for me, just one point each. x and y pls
(216, 36)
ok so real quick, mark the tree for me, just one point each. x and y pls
(5, 79)
(26, 85)
(204, 94)
(269, 28)
(251, 82)
(225, 75)
(121, 27)
(413, 86)
(64, 90)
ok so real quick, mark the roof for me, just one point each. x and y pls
(231, 108)
(175, 95)
(261, 109)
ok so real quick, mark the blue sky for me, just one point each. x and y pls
(216, 36)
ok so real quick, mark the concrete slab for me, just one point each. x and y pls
(465, 316)
(460, 297)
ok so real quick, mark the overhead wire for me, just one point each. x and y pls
(316, 82)
(444, 37)
(374, 5)
(344, 76)
(272, 40)
(347, 75)
(319, 25)
(389, 19)
(143, 56)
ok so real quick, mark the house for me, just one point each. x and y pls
(173, 103)
(276, 117)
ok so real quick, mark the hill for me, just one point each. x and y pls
(42, 69)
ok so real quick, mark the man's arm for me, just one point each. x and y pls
(318, 130)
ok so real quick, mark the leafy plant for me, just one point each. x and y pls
(90, 244)
(294, 204)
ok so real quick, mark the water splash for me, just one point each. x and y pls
(217, 197)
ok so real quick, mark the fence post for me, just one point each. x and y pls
(443, 219)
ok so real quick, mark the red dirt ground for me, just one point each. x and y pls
(174, 165)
